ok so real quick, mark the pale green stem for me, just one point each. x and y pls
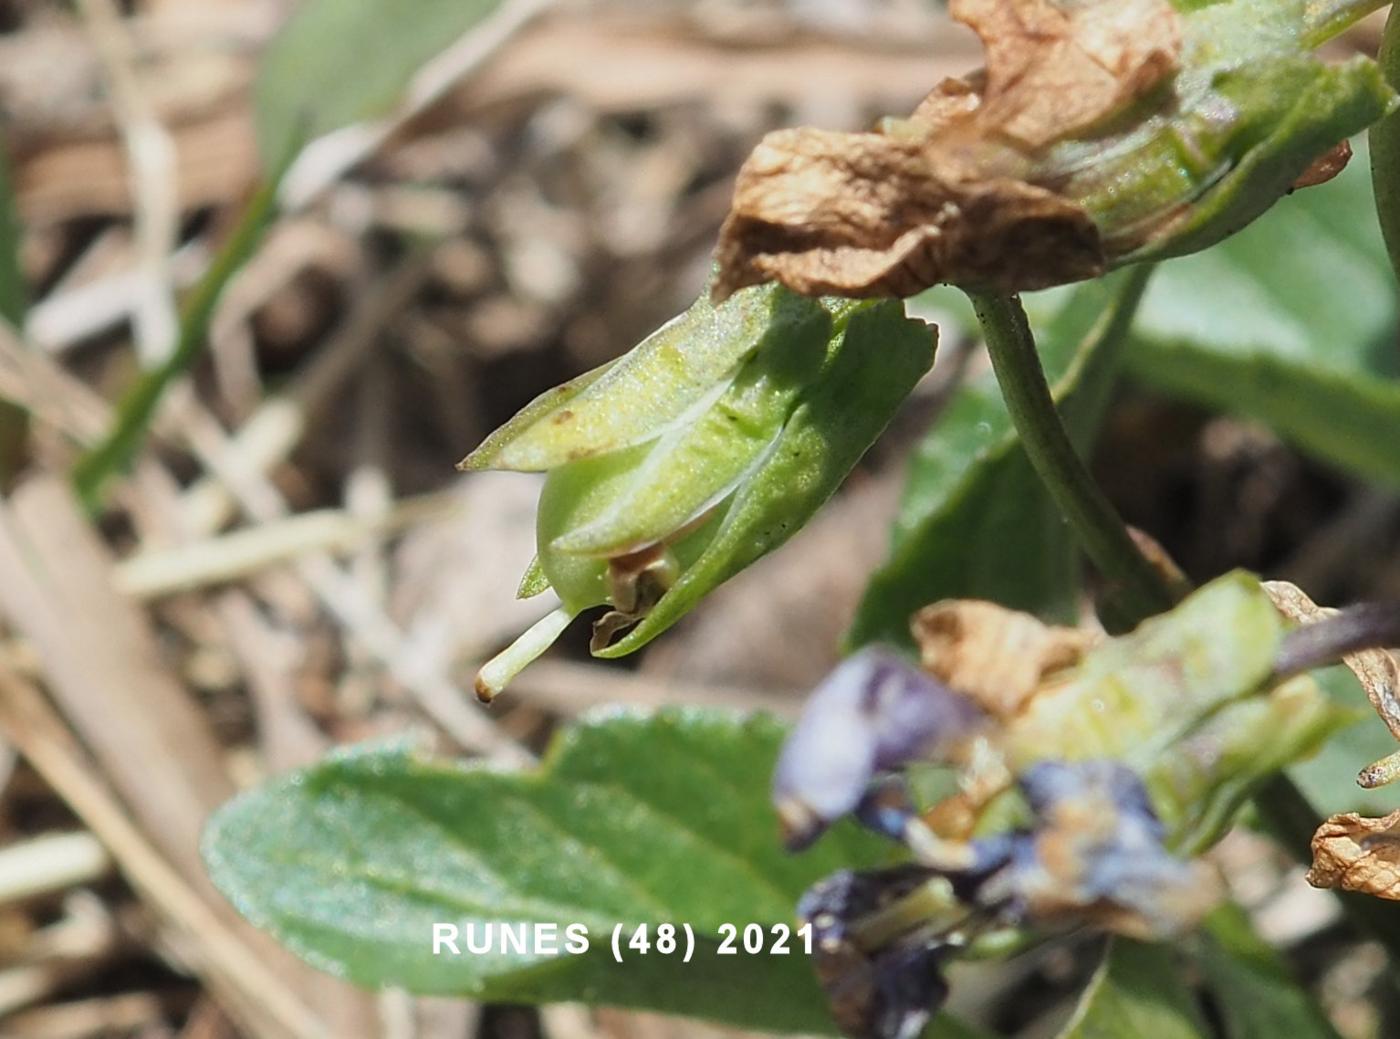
(497, 672)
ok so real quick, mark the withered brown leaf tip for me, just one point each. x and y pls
(1358, 854)
(945, 196)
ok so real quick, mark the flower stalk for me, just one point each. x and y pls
(1347, 631)
(1142, 589)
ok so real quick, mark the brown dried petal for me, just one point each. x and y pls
(950, 102)
(1057, 68)
(940, 197)
(1357, 854)
(870, 215)
(995, 656)
(1375, 669)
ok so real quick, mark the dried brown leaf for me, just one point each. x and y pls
(1358, 854)
(941, 196)
(1375, 669)
(997, 657)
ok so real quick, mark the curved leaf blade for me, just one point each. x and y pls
(633, 819)
(1291, 322)
(1257, 995)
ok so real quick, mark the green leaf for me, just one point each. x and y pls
(338, 62)
(1256, 994)
(1384, 141)
(1291, 322)
(633, 819)
(975, 521)
(1136, 992)
(1329, 778)
(945, 1027)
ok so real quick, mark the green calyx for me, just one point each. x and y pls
(1250, 109)
(677, 369)
(701, 450)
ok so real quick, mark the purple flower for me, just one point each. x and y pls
(874, 713)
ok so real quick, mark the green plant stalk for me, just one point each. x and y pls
(138, 407)
(1141, 591)
(1384, 138)
(14, 420)
(1283, 809)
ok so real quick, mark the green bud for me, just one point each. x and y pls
(715, 448)
(876, 361)
(1259, 108)
(701, 450)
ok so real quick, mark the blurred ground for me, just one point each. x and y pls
(295, 564)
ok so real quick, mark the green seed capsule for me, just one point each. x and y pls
(658, 384)
(875, 363)
(698, 464)
(669, 473)
(576, 494)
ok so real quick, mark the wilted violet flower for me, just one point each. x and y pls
(1081, 795)
(1093, 853)
(1100, 133)
(874, 713)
